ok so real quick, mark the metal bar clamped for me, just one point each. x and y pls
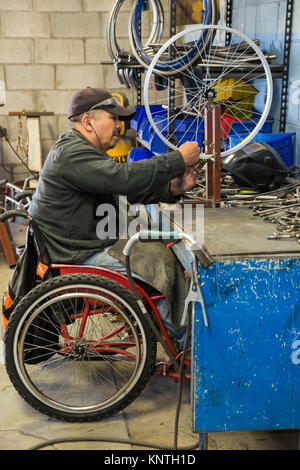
(195, 293)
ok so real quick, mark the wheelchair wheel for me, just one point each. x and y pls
(78, 348)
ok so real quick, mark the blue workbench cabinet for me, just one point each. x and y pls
(246, 364)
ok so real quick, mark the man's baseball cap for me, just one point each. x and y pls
(98, 98)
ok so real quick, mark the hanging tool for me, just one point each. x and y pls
(194, 295)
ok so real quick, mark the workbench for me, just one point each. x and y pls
(246, 364)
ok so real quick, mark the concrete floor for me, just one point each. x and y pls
(149, 419)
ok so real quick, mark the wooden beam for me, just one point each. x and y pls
(6, 245)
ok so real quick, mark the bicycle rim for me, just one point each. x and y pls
(111, 26)
(228, 71)
(169, 65)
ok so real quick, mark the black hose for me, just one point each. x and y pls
(181, 376)
(20, 158)
(152, 445)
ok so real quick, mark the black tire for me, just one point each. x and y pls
(11, 214)
(112, 348)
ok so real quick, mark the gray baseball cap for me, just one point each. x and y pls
(98, 98)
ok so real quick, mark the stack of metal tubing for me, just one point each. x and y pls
(280, 207)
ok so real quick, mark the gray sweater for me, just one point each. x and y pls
(76, 178)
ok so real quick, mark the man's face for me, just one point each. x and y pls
(108, 127)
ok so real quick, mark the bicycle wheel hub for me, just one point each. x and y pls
(210, 94)
(80, 350)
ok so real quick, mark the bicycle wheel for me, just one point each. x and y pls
(168, 64)
(232, 74)
(78, 348)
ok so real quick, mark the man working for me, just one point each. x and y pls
(78, 176)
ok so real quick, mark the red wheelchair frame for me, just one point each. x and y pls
(162, 368)
(25, 346)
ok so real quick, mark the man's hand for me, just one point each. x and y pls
(183, 183)
(190, 152)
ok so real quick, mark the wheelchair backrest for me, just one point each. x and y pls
(32, 267)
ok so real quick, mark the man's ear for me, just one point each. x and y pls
(85, 121)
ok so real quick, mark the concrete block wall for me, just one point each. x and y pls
(48, 50)
(265, 20)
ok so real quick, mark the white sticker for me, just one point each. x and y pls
(2, 93)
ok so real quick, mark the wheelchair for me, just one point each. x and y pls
(81, 344)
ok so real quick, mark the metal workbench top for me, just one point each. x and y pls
(235, 232)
